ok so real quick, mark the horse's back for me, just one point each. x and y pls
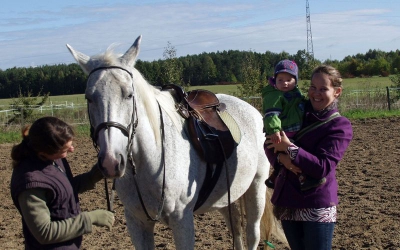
(249, 161)
(244, 114)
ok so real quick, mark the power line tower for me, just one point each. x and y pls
(310, 47)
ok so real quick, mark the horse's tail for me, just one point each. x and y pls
(270, 226)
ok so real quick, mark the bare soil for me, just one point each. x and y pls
(368, 214)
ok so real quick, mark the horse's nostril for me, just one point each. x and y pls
(122, 159)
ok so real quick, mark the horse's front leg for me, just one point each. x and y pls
(182, 226)
(142, 233)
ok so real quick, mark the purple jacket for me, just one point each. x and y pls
(319, 154)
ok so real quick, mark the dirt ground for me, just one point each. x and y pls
(368, 214)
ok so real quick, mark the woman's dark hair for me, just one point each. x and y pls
(47, 135)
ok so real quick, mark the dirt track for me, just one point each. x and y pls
(369, 209)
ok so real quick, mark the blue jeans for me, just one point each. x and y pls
(306, 235)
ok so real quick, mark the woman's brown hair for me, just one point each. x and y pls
(333, 73)
(47, 135)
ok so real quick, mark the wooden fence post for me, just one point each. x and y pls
(388, 97)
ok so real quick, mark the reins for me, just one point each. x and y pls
(161, 205)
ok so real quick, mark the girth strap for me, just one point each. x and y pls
(209, 183)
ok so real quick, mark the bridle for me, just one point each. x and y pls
(129, 131)
(94, 132)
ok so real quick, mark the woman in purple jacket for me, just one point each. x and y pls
(308, 217)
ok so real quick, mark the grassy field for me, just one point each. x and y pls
(349, 85)
(352, 105)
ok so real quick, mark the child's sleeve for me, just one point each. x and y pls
(272, 108)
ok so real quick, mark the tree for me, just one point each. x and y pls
(172, 72)
(24, 106)
(208, 69)
(253, 82)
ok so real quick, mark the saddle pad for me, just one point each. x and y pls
(232, 125)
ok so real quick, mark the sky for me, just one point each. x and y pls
(34, 33)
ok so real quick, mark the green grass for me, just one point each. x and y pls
(348, 84)
(13, 134)
(224, 89)
(363, 114)
(10, 135)
(361, 83)
(78, 98)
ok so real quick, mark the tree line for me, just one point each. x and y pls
(226, 67)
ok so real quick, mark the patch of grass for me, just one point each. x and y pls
(10, 134)
(223, 89)
(82, 130)
(62, 99)
(363, 114)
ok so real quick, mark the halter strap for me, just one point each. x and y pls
(110, 67)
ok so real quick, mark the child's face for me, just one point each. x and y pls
(285, 82)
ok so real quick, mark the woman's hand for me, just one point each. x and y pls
(282, 146)
(285, 160)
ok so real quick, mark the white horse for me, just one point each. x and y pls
(140, 135)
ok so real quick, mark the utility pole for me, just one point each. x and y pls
(310, 47)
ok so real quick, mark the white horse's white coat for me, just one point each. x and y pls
(110, 93)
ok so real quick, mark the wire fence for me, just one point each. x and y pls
(371, 99)
(76, 113)
(73, 113)
(363, 100)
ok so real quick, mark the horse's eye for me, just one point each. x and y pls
(129, 96)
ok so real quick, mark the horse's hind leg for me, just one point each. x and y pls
(236, 221)
(254, 202)
(142, 234)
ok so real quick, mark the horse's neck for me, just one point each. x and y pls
(157, 131)
(147, 145)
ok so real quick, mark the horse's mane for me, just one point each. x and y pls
(151, 97)
(108, 58)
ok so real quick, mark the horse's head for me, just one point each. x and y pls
(111, 105)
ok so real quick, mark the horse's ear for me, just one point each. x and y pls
(81, 59)
(130, 55)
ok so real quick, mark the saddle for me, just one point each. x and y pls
(207, 132)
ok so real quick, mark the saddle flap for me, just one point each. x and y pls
(233, 127)
(200, 99)
(210, 116)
